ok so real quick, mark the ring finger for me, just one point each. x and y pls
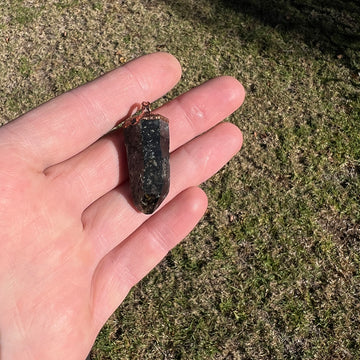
(191, 164)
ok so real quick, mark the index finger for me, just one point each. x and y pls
(67, 124)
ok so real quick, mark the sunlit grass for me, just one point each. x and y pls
(272, 271)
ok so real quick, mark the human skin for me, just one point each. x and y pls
(71, 243)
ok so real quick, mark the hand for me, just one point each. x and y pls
(71, 243)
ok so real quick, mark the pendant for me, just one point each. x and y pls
(147, 149)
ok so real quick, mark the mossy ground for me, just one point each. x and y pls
(272, 271)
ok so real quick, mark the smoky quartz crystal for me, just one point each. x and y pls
(147, 149)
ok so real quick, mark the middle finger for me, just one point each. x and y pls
(101, 167)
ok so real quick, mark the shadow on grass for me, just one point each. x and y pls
(332, 26)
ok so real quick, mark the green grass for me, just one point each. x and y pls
(272, 271)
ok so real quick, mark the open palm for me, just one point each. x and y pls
(71, 243)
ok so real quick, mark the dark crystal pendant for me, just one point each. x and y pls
(147, 149)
